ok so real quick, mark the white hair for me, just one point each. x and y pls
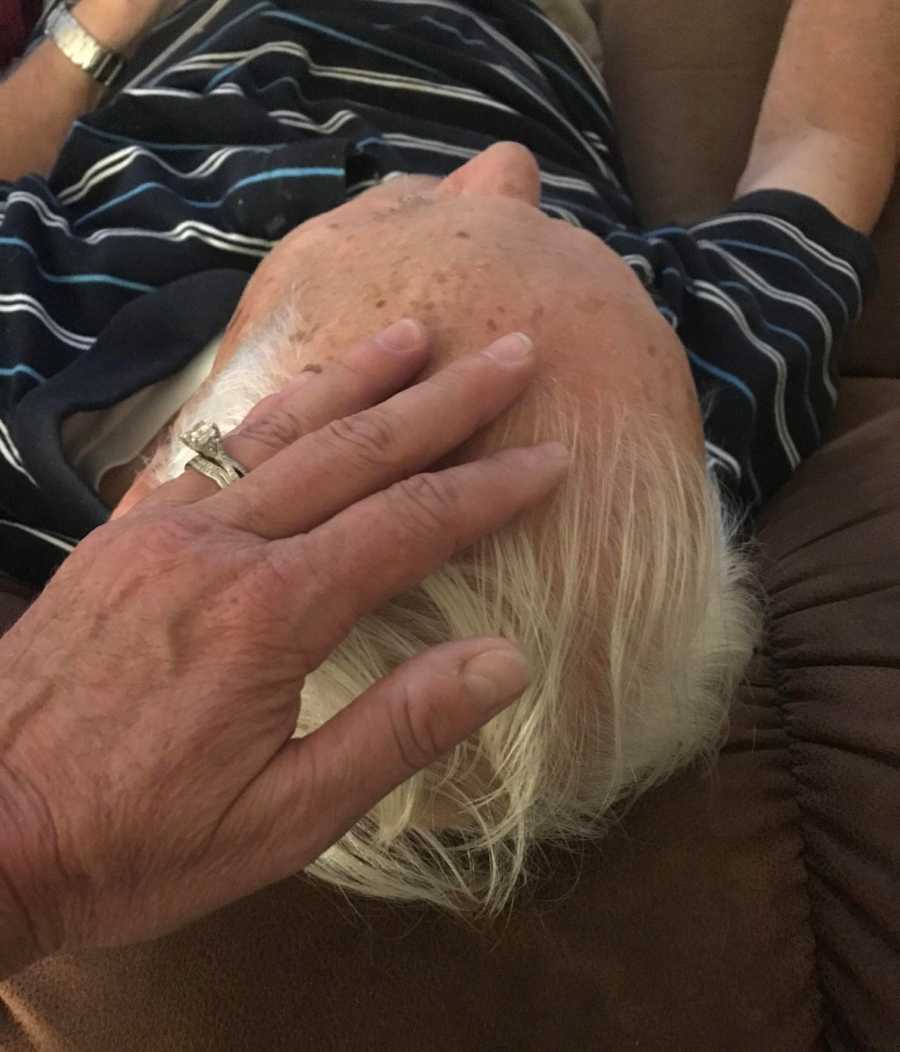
(635, 603)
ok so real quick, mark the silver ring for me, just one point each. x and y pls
(205, 440)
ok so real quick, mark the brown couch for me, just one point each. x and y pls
(755, 910)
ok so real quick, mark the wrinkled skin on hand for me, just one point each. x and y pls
(148, 773)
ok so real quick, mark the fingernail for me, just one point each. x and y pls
(496, 677)
(513, 348)
(402, 336)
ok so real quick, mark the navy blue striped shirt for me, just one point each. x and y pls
(236, 121)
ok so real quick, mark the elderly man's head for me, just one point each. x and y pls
(627, 591)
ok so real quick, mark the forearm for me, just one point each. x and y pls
(38, 104)
(47, 92)
(834, 92)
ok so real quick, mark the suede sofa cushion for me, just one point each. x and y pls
(754, 909)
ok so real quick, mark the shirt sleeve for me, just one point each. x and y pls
(46, 505)
(761, 297)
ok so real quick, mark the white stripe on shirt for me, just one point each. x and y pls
(813, 247)
(707, 291)
(210, 235)
(802, 302)
(585, 142)
(240, 60)
(587, 65)
(239, 243)
(59, 542)
(20, 303)
(11, 455)
(120, 160)
(482, 24)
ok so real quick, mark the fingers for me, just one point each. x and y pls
(318, 786)
(370, 372)
(390, 541)
(352, 457)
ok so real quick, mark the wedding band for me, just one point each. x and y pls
(205, 440)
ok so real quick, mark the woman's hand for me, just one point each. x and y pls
(147, 771)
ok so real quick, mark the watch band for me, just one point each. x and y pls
(77, 44)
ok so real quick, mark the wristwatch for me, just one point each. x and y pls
(77, 44)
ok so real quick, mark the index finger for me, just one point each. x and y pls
(373, 369)
(380, 546)
(326, 471)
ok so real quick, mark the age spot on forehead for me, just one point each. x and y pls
(297, 337)
(591, 305)
(381, 303)
(462, 234)
(303, 334)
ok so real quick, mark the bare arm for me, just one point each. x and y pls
(46, 92)
(830, 121)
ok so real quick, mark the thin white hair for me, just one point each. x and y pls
(635, 602)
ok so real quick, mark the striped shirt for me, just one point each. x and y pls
(238, 120)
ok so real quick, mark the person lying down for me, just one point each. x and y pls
(631, 594)
(689, 370)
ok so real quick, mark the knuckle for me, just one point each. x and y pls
(167, 536)
(370, 437)
(250, 612)
(293, 589)
(253, 515)
(276, 429)
(425, 504)
(274, 576)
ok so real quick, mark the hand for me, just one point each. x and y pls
(147, 770)
(120, 24)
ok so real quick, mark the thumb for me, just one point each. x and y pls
(317, 787)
